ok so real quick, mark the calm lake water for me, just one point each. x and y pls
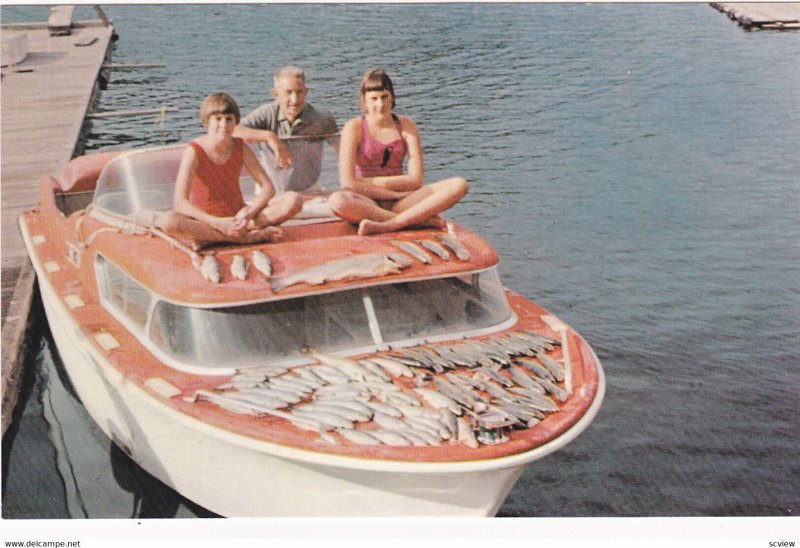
(635, 166)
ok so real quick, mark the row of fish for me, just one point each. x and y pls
(357, 266)
(387, 399)
(211, 270)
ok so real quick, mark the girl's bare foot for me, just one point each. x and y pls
(434, 222)
(367, 226)
(268, 234)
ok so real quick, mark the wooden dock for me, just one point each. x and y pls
(45, 100)
(766, 15)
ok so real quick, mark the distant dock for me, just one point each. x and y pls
(766, 16)
(50, 78)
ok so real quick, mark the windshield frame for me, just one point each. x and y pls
(144, 332)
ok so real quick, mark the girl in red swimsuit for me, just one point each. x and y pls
(376, 194)
(208, 205)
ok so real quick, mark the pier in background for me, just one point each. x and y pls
(51, 75)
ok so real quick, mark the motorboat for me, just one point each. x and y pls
(325, 374)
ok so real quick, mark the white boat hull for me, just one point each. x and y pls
(237, 476)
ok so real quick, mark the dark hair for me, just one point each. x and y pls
(376, 80)
(218, 103)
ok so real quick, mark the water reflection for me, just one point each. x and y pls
(69, 465)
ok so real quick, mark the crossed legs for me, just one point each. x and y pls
(420, 208)
(262, 229)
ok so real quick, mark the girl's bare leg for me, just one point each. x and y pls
(279, 209)
(353, 207)
(198, 234)
(421, 208)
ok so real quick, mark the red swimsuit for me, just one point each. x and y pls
(214, 188)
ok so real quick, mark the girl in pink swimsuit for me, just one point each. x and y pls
(376, 193)
(208, 205)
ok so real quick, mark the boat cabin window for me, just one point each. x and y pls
(258, 333)
(122, 294)
(406, 313)
(436, 307)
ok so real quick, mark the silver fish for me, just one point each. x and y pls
(358, 437)
(465, 434)
(439, 400)
(452, 391)
(553, 366)
(534, 399)
(330, 419)
(387, 421)
(395, 368)
(346, 412)
(262, 262)
(523, 379)
(437, 249)
(368, 265)
(209, 268)
(551, 388)
(412, 249)
(384, 409)
(540, 370)
(455, 246)
(388, 437)
(239, 267)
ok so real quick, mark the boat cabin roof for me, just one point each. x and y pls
(131, 182)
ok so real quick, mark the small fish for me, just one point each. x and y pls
(465, 434)
(388, 437)
(262, 263)
(394, 368)
(439, 400)
(412, 249)
(239, 267)
(367, 265)
(535, 400)
(387, 421)
(553, 366)
(435, 248)
(560, 394)
(209, 268)
(384, 409)
(330, 419)
(523, 379)
(540, 370)
(345, 412)
(429, 427)
(350, 368)
(455, 246)
(358, 437)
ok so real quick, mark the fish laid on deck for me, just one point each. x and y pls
(262, 262)
(358, 266)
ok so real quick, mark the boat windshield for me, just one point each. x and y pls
(144, 180)
(349, 321)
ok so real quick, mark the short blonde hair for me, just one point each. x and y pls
(218, 103)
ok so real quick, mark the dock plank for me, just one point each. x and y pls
(763, 15)
(45, 100)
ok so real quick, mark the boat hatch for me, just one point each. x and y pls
(212, 340)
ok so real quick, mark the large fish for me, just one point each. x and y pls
(358, 266)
